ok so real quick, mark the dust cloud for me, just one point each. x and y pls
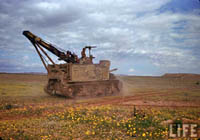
(125, 87)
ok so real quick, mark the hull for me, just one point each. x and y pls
(84, 89)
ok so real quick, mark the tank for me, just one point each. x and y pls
(77, 77)
(82, 80)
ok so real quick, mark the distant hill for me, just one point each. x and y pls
(37, 73)
(181, 75)
(31, 73)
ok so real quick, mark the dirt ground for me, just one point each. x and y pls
(170, 90)
(174, 95)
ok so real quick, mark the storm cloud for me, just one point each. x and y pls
(139, 37)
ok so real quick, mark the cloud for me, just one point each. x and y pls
(25, 58)
(131, 70)
(146, 34)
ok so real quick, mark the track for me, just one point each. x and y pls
(137, 100)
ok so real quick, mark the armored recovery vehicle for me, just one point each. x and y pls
(77, 76)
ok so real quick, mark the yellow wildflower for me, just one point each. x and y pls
(143, 134)
(87, 132)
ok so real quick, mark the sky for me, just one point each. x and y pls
(139, 37)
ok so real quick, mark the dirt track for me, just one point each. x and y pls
(137, 100)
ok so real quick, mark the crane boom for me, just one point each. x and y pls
(36, 41)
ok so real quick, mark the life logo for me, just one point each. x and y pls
(189, 131)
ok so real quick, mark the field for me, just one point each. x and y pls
(144, 110)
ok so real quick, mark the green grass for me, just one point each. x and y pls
(22, 85)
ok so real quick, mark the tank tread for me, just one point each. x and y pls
(84, 89)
